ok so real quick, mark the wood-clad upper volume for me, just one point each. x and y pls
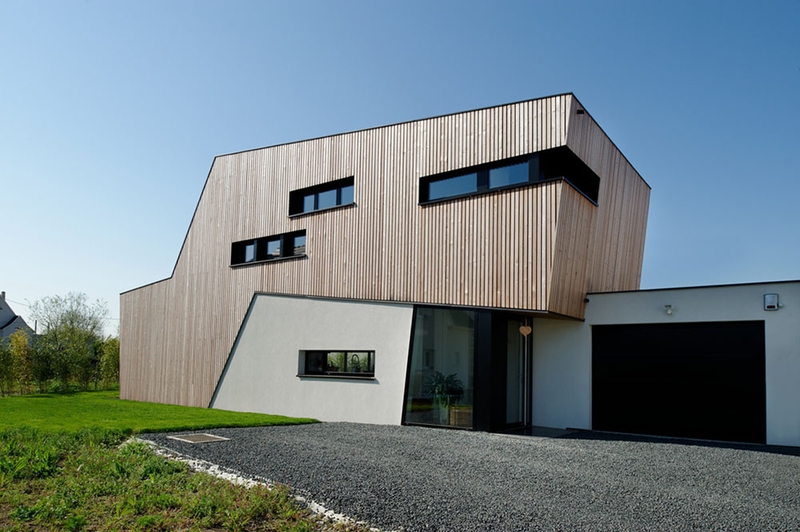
(537, 242)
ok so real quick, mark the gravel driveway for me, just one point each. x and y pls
(413, 478)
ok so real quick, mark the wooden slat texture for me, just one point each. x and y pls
(532, 248)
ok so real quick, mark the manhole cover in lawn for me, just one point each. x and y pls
(198, 438)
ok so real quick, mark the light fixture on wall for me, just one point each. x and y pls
(771, 302)
(668, 309)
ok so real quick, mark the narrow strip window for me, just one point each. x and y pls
(339, 363)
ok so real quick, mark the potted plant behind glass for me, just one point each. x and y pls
(446, 391)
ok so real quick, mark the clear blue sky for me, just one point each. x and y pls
(111, 114)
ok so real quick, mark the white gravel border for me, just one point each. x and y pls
(235, 478)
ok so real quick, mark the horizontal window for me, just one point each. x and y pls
(320, 197)
(339, 363)
(269, 248)
(557, 163)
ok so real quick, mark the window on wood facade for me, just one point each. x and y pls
(557, 163)
(268, 248)
(339, 363)
(321, 197)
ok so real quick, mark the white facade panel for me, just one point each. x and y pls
(262, 373)
(562, 374)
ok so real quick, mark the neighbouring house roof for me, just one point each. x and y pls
(10, 322)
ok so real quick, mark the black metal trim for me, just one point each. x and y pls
(327, 209)
(297, 196)
(408, 363)
(335, 377)
(268, 261)
(370, 355)
(543, 167)
(238, 249)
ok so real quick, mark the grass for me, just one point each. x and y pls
(75, 411)
(63, 466)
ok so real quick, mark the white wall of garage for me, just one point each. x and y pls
(562, 350)
(261, 374)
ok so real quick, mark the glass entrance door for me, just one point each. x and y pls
(518, 374)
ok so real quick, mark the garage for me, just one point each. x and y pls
(694, 380)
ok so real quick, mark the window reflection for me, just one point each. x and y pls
(454, 186)
(508, 175)
(440, 388)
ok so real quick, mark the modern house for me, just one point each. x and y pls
(478, 270)
(10, 322)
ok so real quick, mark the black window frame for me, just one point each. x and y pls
(310, 369)
(543, 166)
(297, 197)
(285, 241)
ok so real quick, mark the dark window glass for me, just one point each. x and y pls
(340, 363)
(440, 380)
(454, 186)
(347, 195)
(326, 200)
(508, 175)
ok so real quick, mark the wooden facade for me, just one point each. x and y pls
(539, 247)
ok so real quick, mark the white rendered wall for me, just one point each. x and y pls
(261, 375)
(562, 374)
(562, 350)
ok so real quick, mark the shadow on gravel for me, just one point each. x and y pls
(615, 436)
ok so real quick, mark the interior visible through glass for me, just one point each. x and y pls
(440, 388)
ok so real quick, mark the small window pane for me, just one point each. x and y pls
(308, 203)
(250, 252)
(360, 362)
(508, 175)
(299, 245)
(454, 186)
(315, 362)
(347, 195)
(326, 199)
(337, 362)
(274, 248)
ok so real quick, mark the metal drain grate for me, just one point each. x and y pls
(198, 438)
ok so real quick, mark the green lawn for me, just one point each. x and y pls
(62, 467)
(104, 409)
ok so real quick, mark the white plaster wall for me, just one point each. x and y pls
(725, 303)
(261, 375)
(562, 374)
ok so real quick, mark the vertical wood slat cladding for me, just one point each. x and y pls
(506, 249)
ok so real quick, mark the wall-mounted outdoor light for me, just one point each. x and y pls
(668, 309)
(771, 302)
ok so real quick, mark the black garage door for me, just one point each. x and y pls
(694, 380)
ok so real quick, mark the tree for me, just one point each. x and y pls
(7, 376)
(72, 329)
(109, 361)
(22, 359)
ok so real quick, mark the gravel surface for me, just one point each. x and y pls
(413, 478)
